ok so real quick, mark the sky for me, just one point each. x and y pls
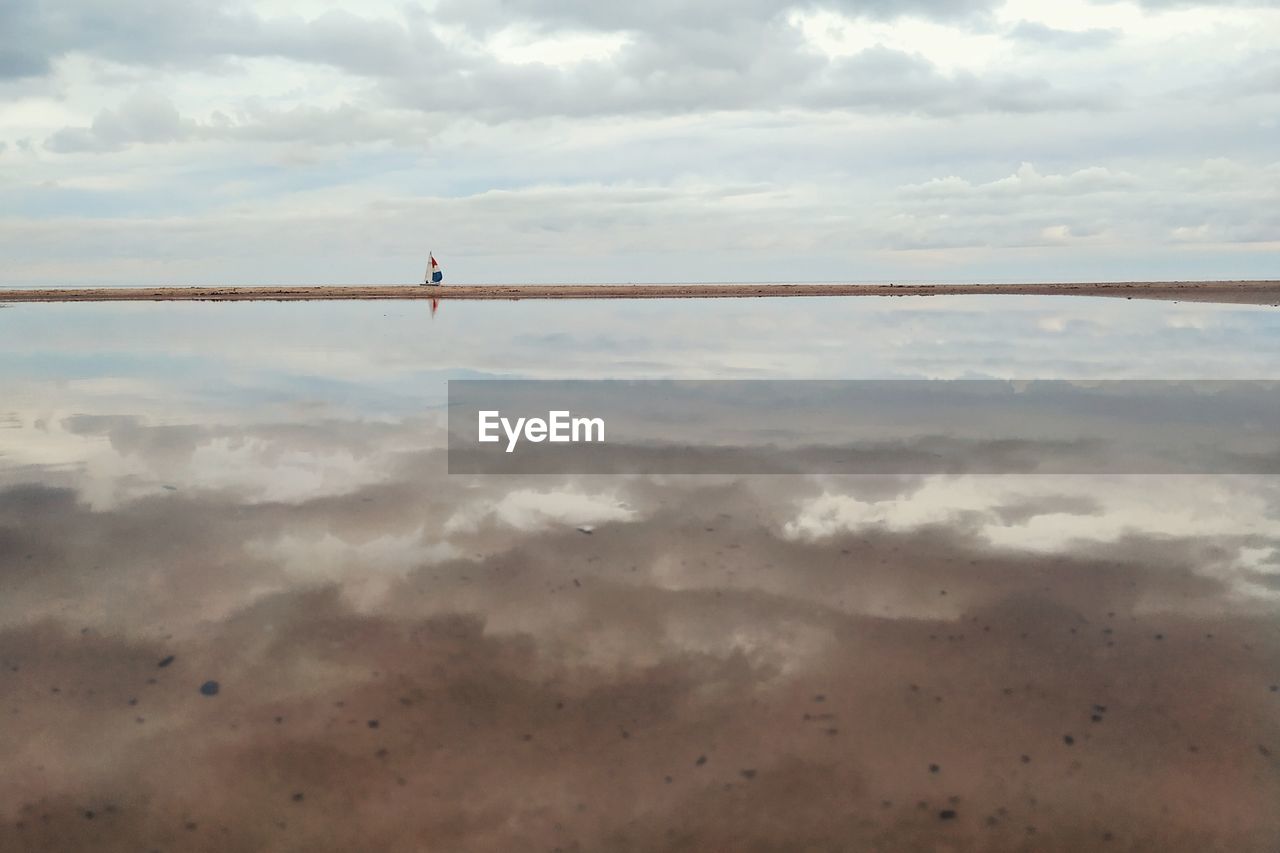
(302, 141)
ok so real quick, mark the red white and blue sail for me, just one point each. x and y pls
(434, 273)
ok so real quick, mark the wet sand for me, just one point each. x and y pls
(1244, 292)
(286, 628)
(689, 679)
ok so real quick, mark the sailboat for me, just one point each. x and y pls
(434, 274)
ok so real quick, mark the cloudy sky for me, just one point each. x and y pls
(158, 141)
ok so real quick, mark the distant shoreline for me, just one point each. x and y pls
(1242, 292)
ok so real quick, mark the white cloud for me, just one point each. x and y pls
(565, 140)
(1028, 181)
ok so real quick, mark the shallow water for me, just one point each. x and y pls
(255, 495)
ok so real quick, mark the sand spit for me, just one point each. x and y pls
(1245, 292)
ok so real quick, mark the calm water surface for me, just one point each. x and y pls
(242, 606)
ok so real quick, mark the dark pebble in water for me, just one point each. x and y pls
(1026, 759)
(89, 815)
(747, 774)
(297, 798)
(1100, 709)
(166, 661)
(1068, 740)
(933, 768)
(1275, 688)
(1097, 718)
(947, 814)
(373, 724)
(1159, 636)
(702, 759)
(1264, 751)
(209, 688)
(820, 698)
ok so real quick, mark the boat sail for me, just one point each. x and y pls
(434, 274)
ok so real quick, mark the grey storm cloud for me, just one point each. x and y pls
(154, 32)
(148, 118)
(696, 58)
(142, 118)
(750, 67)
(666, 16)
(158, 33)
(1047, 36)
(889, 80)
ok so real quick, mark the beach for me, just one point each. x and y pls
(1239, 292)
(247, 605)
(571, 427)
